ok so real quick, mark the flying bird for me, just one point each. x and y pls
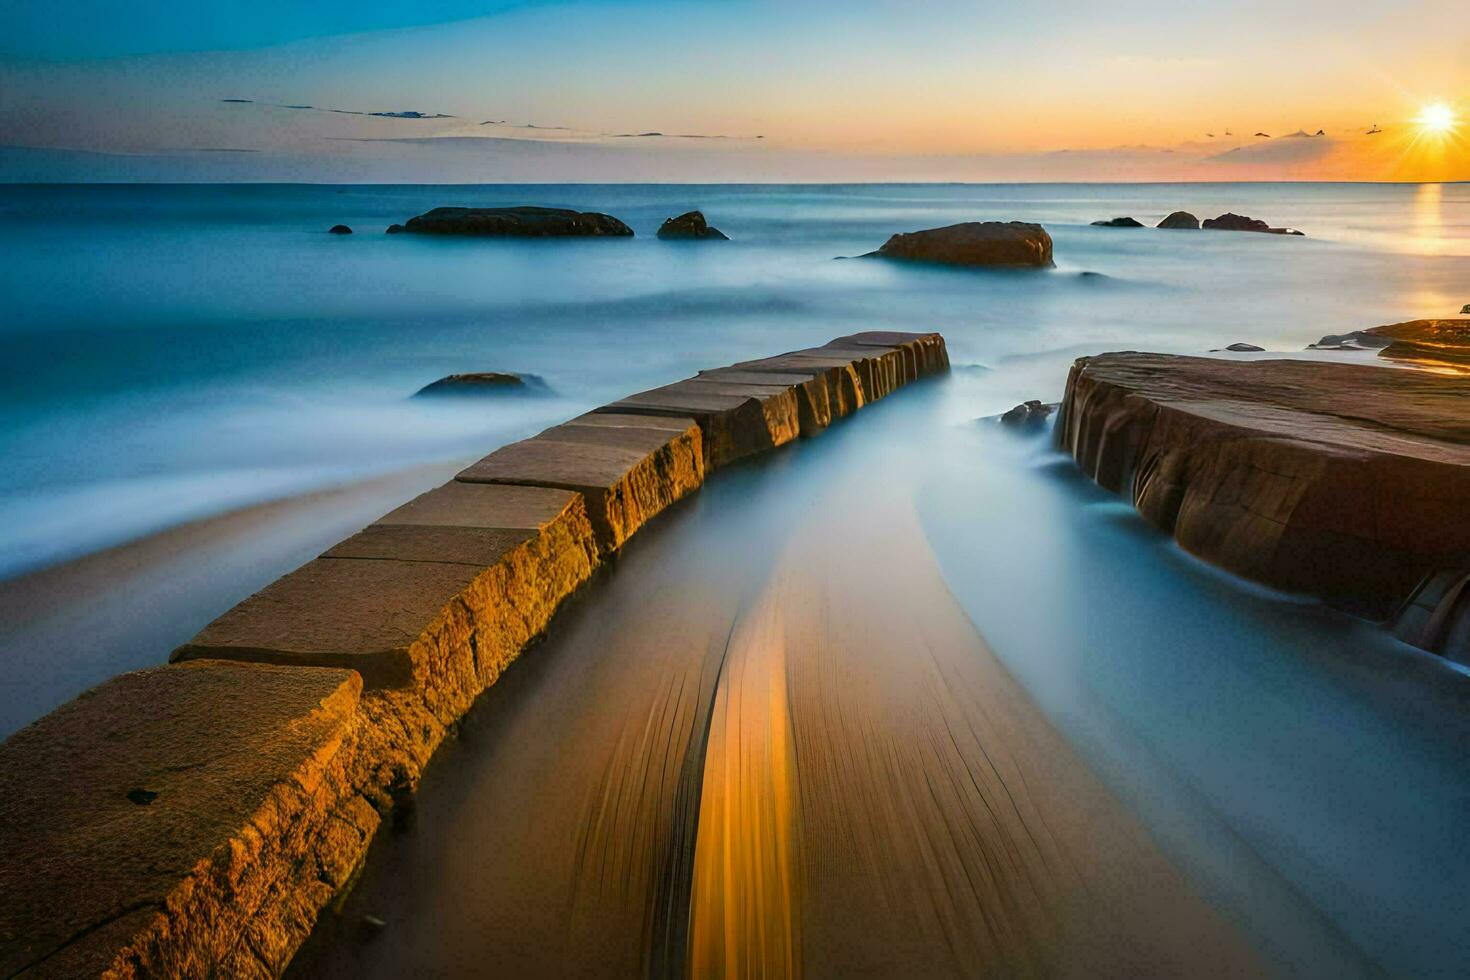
(1210, 135)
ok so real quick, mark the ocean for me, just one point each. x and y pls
(173, 352)
(179, 352)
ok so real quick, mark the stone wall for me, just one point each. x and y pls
(193, 819)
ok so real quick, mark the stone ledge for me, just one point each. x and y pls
(627, 474)
(1348, 482)
(272, 762)
(215, 793)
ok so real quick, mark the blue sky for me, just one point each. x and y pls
(940, 88)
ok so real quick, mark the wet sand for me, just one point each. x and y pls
(768, 742)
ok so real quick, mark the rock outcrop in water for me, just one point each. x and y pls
(1346, 481)
(1229, 221)
(479, 383)
(1241, 348)
(1443, 345)
(690, 225)
(339, 230)
(1118, 223)
(1016, 244)
(1028, 415)
(1180, 219)
(519, 222)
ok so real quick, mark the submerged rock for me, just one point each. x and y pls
(1354, 340)
(339, 230)
(1028, 415)
(1180, 219)
(519, 222)
(1119, 223)
(481, 382)
(1345, 481)
(974, 243)
(690, 224)
(1229, 221)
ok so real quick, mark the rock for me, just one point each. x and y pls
(1180, 219)
(1119, 223)
(479, 383)
(521, 222)
(437, 596)
(691, 224)
(152, 822)
(1240, 348)
(1354, 340)
(339, 230)
(627, 467)
(1230, 221)
(1465, 308)
(1345, 481)
(396, 230)
(1028, 415)
(1442, 345)
(974, 243)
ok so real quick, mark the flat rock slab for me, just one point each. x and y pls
(1346, 481)
(434, 597)
(626, 473)
(734, 420)
(1440, 345)
(170, 798)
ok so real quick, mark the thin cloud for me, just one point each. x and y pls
(381, 114)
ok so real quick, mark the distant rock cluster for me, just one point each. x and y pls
(1229, 221)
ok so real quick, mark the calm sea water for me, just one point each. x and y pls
(176, 351)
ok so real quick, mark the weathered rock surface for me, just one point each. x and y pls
(1229, 221)
(1442, 345)
(1028, 415)
(1355, 340)
(479, 383)
(520, 222)
(1437, 618)
(1017, 244)
(691, 224)
(437, 596)
(215, 793)
(626, 468)
(1180, 219)
(339, 230)
(1345, 481)
(1118, 223)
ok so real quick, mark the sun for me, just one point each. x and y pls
(1436, 118)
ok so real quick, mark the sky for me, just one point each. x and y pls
(466, 90)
